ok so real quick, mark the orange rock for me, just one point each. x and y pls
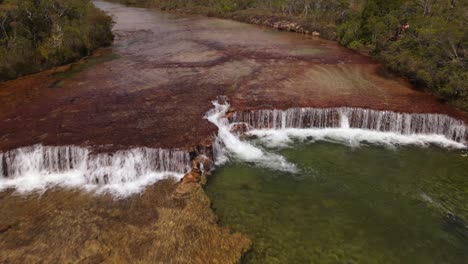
(193, 176)
(203, 160)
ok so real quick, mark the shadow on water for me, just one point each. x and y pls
(356, 205)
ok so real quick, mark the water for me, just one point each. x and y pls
(123, 173)
(346, 117)
(228, 141)
(342, 185)
(367, 204)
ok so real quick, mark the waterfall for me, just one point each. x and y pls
(122, 173)
(228, 143)
(37, 168)
(351, 126)
(384, 121)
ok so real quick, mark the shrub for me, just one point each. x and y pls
(36, 35)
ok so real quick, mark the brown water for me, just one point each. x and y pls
(152, 87)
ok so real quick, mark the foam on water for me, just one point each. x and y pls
(122, 173)
(351, 126)
(345, 117)
(349, 136)
(227, 143)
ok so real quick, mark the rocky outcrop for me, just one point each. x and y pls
(285, 25)
(202, 165)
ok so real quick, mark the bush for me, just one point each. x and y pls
(36, 35)
(431, 52)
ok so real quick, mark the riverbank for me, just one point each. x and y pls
(429, 53)
(257, 16)
(163, 71)
(264, 17)
(152, 91)
(40, 35)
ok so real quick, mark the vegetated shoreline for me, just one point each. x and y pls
(192, 180)
(431, 56)
(255, 16)
(38, 36)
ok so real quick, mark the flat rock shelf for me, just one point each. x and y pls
(307, 150)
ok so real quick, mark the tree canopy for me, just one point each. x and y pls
(431, 51)
(39, 34)
(424, 40)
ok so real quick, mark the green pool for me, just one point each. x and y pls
(370, 204)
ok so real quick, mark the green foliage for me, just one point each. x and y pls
(39, 34)
(431, 53)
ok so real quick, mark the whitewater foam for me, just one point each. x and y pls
(359, 118)
(228, 144)
(123, 173)
(349, 136)
(350, 126)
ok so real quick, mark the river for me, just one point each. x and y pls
(124, 120)
(164, 70)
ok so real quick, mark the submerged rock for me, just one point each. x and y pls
(455, 224)
(154, 227)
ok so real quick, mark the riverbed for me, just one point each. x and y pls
(153, 86)
(367, 204)
(106, 158)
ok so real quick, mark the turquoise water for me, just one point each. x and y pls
(349, 205)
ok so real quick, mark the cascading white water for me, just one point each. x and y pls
(366, 119)
(352, 126)
(227, 141)
(122, 173)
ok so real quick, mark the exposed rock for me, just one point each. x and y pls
(240, 128)
(194, 176)
(283, 25)
(204, 163)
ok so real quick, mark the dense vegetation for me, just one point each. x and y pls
(39, 34)
(431, 52)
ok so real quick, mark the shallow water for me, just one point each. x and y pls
(369, 204)
(153, 86)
